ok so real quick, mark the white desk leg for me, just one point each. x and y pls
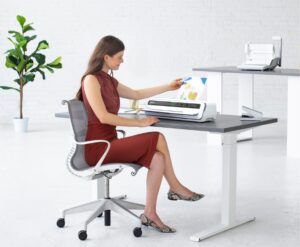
(246, 95)
(98, 189)
(293, 118)
(228, 210)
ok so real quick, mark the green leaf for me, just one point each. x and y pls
(49, 69)
(29, 64)
(17, 81)
(23, 43)
(8, 88)
(55, 66)
(21, 20)
(14, 56)
(17, 53)
(27, 27)
(30, 38)
(15, 44)
(19, 37)
(11, 52)
(13, 59)
(40, 58)
(21, 65)
(56, 61)
(42, 45)
(26, 78)
(29, 77)
(11, 62)
(42, 73)
(21, 40)
(14, 32)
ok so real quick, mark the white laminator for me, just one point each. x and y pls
(195, 111)
(262, 56)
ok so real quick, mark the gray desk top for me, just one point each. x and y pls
(223, 123)
(233, 69)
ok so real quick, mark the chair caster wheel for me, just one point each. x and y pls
(100, 215)
(137, 232)
(60, 222)
(82, 235)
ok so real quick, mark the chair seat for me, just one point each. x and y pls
(113, 169)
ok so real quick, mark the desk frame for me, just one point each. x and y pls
(246, 97)
(229, 177)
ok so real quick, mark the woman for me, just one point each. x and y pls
(100, 93)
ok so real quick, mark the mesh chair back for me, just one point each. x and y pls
(76, 158)
(79, 122)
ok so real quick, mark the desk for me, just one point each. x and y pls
(246, 95)
(229, 127)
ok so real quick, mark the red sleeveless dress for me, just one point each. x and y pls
(133, 149)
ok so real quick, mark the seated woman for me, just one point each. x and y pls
(101, 93)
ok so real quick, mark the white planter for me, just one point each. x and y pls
(21, 124)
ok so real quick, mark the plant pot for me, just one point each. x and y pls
(21, 124)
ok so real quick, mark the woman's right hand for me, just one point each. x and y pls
(147, 121)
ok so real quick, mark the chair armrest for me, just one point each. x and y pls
(92, 141)
(98, 165)
(122, 132)
(97, 168)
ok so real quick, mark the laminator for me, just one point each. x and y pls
(262, 57)
(195, 111)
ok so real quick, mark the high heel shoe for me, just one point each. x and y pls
(175, 196)
(147, 222)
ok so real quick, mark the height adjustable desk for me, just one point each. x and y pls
(228, 127)
(246, 95)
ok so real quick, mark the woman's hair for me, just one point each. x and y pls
(108, 45)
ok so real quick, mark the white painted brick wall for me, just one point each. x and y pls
(164, 40)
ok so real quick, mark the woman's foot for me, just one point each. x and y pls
(182, 193)
(155, 222)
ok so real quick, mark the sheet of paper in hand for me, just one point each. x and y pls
(193, 88)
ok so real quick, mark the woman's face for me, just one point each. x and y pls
(114, 61)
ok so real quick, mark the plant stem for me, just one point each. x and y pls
(21, 95)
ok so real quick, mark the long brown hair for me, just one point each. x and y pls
(108, 45)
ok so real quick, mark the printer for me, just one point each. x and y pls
(262, 57)
(185, 110)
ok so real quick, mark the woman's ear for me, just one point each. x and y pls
(105, 58)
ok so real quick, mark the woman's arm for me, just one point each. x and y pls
(128, 93)
(93, 93)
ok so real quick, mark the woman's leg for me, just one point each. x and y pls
(154, 178)
(169, 173)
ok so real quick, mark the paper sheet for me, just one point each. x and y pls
(193, 89)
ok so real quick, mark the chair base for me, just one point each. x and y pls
(106, 205)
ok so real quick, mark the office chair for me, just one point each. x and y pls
(77, 165)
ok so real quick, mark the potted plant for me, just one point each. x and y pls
(26, 64)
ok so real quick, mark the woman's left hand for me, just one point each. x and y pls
(176, 84)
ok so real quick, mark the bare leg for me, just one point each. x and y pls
(161, 165)
(154, 178)
(169, 173)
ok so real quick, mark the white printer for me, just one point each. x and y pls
(195, 111)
